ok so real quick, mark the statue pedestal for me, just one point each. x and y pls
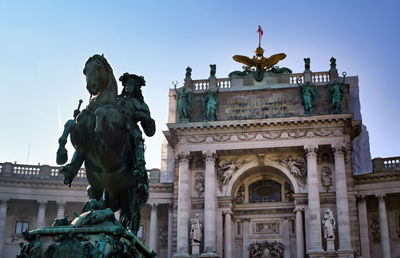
(105, 239)
(330, 245)
(195, 249)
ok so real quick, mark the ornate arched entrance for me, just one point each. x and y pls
(262, 208)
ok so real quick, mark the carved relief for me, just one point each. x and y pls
(266, 227)
(266, 249)
(278, 134)
(289, 192)
(196, 139)
(163, 236)
(326, 178)
(239, 197)
(226, 170)
(296, 168)
(199, 183)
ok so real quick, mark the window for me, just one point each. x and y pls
(140, 232)
(265, 191)
(21, 226)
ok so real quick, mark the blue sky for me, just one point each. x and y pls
(44, 45)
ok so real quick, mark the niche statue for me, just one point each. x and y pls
(108, 140)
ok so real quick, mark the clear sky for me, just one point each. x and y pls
(44, 45)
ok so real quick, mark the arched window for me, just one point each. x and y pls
(265, 191)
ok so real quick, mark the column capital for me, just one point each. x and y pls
(4, 202)
(227, 212)
(210, 155)
(361, 198)
(298, 209)
(311, 151)
(339, 149)
(381, 196)
(61, 204)
(154, 206)
(182, 157)
(42, 203)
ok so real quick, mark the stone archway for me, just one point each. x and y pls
(251, 165)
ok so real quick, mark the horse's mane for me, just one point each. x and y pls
(101, 60)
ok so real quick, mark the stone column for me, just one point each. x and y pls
(228, 234)
(170, 224)
(246, 238)
(286, 237)
(342, 202)
(363, 226)
(299, 233)
(315, 245)
(41, 213)
(3, 222)
(61, 205)
(183, 206)
(153, 228)
(383, 226)
(210, 205)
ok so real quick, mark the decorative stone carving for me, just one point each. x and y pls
(329, 224)
(240, 195)
(296, 168)
(199, 183)
(266, 227)
(289, 192)
(210, 156)
(183, 157)
(266, 250)
(326, 178)
(226, 170)
(196, 229)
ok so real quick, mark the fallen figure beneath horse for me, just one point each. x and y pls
(108, 141)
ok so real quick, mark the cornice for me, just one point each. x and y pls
(279, 121)
(378, 177)
(160, 187)
(39, 183)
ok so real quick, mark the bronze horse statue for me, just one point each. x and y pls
(107, 139)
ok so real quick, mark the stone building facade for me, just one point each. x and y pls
(262, 177)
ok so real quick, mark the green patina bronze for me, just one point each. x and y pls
(307, 62)
(333, 63)
(210, 104)
(213, 70)
(308, 94)
(108, 141)
(336, 93)
(184, 103)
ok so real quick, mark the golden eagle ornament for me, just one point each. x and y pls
(260, 62)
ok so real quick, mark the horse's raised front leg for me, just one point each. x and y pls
(62, 154)
(72, 169)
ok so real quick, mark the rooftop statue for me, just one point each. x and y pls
(210, 104)
(108, 140)
(336, 94)
(184, 103)
(258, 63)
(308, 96)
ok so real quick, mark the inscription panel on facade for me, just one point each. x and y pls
(260, 107)
(266, 227)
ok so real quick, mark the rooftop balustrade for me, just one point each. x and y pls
(386, 164)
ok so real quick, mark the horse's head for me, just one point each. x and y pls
(100, 77)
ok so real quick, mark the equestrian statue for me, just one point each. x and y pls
(108, 141)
